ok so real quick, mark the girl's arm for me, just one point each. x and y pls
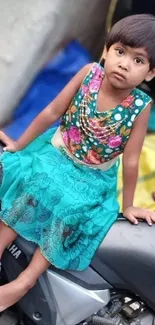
(49, 115)
(130, 169)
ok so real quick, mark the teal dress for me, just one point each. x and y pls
(60, 197)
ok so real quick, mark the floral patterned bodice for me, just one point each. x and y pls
(96, 137)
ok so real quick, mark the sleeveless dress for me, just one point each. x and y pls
(60, 192)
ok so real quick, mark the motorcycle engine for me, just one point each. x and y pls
(122, 311)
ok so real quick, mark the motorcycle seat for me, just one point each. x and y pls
(126, 258)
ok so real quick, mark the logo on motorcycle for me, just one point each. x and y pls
(14, 250)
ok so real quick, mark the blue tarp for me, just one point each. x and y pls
(49, 82)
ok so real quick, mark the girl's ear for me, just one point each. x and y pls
(150, 75)
(104, 54)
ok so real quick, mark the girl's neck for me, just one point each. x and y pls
(117, 94)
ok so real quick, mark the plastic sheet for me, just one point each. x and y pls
(146, 179)
(49, 82)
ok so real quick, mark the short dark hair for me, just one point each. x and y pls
(135, 31)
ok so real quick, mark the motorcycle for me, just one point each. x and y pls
(118, 288)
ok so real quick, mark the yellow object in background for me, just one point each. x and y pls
(146, 179)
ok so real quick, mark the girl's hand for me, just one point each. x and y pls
(133, 213)
(9, 144)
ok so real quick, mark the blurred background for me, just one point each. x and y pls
(44, 44)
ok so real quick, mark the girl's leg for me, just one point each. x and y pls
(7, 236)
(15, 290)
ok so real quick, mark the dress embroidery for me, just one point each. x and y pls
(97, 137)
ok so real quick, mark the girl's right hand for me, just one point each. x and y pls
(9, 144)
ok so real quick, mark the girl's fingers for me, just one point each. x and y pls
(148, 220)
(9, 148)
(132, 219)
(153, 216)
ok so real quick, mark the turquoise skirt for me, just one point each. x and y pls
(64, 207)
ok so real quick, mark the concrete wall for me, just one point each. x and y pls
(32, 30)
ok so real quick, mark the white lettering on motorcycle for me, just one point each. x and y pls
(13, 249)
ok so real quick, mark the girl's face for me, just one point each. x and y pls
(126, 67)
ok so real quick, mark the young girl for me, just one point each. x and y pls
(58, 188)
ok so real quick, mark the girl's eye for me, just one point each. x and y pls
(119, 51)
(138, 61)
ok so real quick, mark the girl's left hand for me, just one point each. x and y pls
(9, 144)
(132, 214)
